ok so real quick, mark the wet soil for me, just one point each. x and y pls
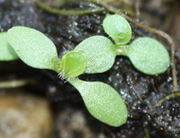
(140, 91)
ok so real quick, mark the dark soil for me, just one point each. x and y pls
(140, 91)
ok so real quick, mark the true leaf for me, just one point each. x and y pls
(32, 47)
(102, 101)
(73, 64)
(7, 52)
(118, 28)
(148, 55)
(100, 53)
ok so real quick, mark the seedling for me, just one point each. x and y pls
(93, 55)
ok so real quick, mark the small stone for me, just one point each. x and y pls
(24, 116)
(74, 124)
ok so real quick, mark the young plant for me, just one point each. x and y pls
(93, 55)
(101, 100)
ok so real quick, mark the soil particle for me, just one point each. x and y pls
(73, 124)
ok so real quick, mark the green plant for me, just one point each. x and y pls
(93, 55)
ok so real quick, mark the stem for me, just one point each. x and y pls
(168, 97)
(146, 131)
(64, 12)
(121, 50)
(74, 81)
(15, 83)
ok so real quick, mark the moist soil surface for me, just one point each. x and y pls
(140, 92)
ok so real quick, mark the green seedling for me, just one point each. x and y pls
(93, 55)
(101, 100)
(147, 55)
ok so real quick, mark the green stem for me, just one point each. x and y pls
(121, 50)
(168, 97)
(64, 12)
(15, 83)
(147, 133)
(74, 81)
(146, 130)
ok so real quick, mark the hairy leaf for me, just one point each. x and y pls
(117, 28)
(148, 56)
(73, 64)
(102, 101)
(100, 53)
(32, 47)
(7, 52)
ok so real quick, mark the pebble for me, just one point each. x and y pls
(24, 116)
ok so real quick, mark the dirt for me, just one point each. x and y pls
(141, 92)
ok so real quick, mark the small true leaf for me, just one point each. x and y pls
(102, 101)
(118, 28)
(73, 64)
(148, 56)
(7, 52)
(32, 47)
(100, 53)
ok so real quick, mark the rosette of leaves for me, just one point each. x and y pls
(36, 50)
(93, 55)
